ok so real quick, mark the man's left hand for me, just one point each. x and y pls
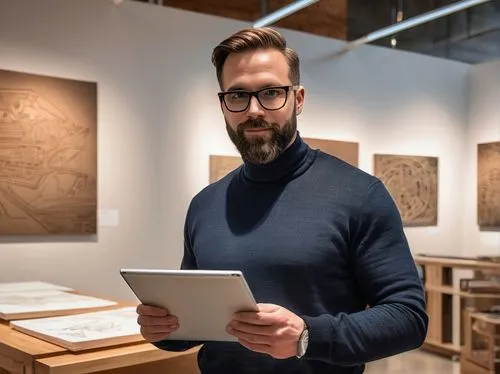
(273, 330)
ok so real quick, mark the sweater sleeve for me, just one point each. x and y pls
(387, 277)
(188, 262)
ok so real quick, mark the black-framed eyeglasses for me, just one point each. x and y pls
(270, 98)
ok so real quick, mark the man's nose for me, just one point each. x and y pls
(254, 108)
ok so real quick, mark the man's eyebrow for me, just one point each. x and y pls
(240, 88)
(236, 88)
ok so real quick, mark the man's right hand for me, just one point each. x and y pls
(156, 323)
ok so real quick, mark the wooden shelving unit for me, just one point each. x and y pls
(481, 353)
(442, 294)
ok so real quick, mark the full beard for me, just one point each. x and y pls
(262, 150)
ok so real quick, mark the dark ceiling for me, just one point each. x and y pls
(471, 36)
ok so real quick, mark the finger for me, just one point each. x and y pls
(157, 331)
(257, 318)
(149, 310)
(253, 329)
(268, 308)
(250, 338)
(152, 338)
(260, 348)
(157, 321)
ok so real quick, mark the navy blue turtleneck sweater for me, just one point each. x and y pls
(321, 238)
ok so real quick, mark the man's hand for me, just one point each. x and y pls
(273, 330)
(156, 323)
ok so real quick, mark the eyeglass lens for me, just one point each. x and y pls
(271, 99)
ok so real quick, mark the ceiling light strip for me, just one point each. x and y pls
(414, 21)
(283, 12)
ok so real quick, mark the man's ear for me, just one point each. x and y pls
(299, 99)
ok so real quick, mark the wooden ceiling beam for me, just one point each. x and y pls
(326, 18)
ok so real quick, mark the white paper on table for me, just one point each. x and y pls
(86, 327)
(31, 286)
(41, 301)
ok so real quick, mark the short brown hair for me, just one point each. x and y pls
(251, 39)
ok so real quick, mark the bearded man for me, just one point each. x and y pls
(320, 242)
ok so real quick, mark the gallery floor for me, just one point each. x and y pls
(415, 362)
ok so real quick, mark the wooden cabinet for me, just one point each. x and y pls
(447, 303)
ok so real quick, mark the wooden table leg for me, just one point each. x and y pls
(8, 365)
(28, 369)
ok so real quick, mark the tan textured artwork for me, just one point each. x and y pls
(412, 182)
(220, 166)
(346, 151)
(488, 185)
(48, 155)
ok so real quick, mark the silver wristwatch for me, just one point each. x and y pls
(303, 343)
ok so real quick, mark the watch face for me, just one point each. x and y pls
(305, 337)
(304, 340)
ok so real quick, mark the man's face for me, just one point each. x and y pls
(260, 135)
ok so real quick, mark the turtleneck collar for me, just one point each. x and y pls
(290, 164)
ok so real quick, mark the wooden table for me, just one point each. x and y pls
(137, 358)
(23, 354)
(18, 351)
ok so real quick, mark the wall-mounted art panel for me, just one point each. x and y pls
(48, 155)
(412, 182)
(488, 185)
(220, 166)
(346, 151)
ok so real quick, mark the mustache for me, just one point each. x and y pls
(256, 124)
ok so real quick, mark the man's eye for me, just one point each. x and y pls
(238, 95)
(271, 92)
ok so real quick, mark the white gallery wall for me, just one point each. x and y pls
(483, 127)
(159, 119)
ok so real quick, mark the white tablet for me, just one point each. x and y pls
(203, 300)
